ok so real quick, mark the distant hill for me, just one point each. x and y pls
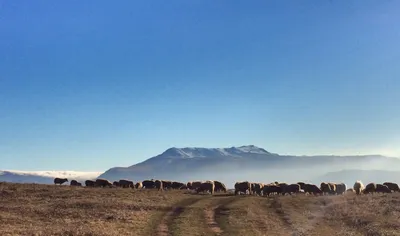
(44, 177)
(241, 163)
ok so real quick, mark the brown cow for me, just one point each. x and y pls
(207, 186)
(178, 185)
(166, 184)
(148, 184)
(341, 188)
(219, 186)
(138, 185)
(392, 186)
(196, 184)
(350, 190)
(325, 188)
(159, 185)
(103, 183)
(370, 188)
(333, 188)
(126, 183)
(269, 189)
(302, 185)
(90, 183)
(291, 188)
(358, 187)
(75, 183)
(380, 188)
(242, 187)
(257, 188)
(60, 181)
(312, 189)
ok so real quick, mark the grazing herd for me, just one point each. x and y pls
(277, 188)
(246, 187)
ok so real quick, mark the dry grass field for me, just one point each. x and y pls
(32, 209)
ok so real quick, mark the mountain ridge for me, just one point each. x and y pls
(186, 162)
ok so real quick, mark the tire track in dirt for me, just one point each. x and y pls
(262, 218)
(167, 220)
(277, 205)
(216, 210)
(219, 213)
(300, 219)
(210, 217)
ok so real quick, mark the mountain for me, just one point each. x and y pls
(243, 163)
(44, 177)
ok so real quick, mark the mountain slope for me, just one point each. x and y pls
(245, 162)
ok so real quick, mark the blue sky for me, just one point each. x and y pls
(91, 85)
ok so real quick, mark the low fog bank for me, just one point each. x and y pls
(366, 176)
(282, 169)
(44, 177)
(231, 177)
(370, 170)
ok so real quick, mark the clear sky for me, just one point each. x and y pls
(88, 85)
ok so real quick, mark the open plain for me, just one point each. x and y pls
(36, 209)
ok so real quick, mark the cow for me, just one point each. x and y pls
(257, 188)
(166, 184)
(195, 185)
(138, 185)
(178, 185)
(325, 188)
(269, 189)
(350, 190)
(302, 185)
(312, 189)
(291, 188)
(90, 183)
(219, 186)
(380, 188)
(103, 183)
(392, 186)
(242, 187)
(341, 188)
(358, 187)
(75, 183)
(333, 188)
(159, 185)
(207, 186)
(148, 184)
(126, 183)
(369, 188)
(60, 181)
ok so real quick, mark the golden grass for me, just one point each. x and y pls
(32, 209)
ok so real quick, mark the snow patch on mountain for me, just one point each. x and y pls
(252, 149)
(196, 152)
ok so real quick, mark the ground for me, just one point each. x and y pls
(33, 209)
